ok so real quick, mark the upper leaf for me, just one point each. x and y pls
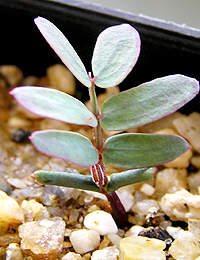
(69, 146)
(142, 150)
(148, 102)
(115, 54)
(63, 49)
(54, 104)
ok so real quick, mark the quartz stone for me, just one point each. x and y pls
(43, 237)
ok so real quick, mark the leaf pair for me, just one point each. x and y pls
(115, 54)
(85, 182)
(124, 150)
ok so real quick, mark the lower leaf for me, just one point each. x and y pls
(65, 179)
(121, 179)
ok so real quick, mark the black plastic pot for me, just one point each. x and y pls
(166, 48)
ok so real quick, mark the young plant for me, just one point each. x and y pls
(115, 54)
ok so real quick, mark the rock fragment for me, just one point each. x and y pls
(10, 212)
(181, 205)
(13, 252)
(100, 221)
(43, 237)
(71, 256)
(140, 248)
(108, 253)
(84, 240)
(185, 246)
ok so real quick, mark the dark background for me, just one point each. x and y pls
(163, 52)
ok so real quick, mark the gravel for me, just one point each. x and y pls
(45, 222)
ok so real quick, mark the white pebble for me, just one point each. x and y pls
(147, 189)
(174, 231)
(134, 231)
(71, 256)
(108, 253)
(185, 246)
(114, 239)
(84, 240)
(181, 205)
(142, 207)
(100, 221)
(13, 252)
(126, 198)
(17, 183)
(10, 212)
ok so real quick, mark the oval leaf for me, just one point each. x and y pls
(115, 54)
(117, 180)
(69, 146)
(54, 104)
(65, 179)
(63, 49)
(148, 102)
(142, 150)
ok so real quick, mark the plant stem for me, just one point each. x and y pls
(95, 110)
(118, 211)
(98, 171)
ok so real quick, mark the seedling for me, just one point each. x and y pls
(115, 54)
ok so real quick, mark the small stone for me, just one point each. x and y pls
(10, 212)
(17, 183)
(61, 78)
(181, 205)
(170, 180)
(174, 231)
(147, 189)
(185, 246)
(195, 161)
(134, 231)
(18, 123)
(12, 74)
(194, 227)
(189, 128)
(114, 239)
(142, 207)
(20, 135)
(84, 240)
(100, 221)
(108, 253)
(13, 252)
(32, 207)
(43, 237)
(194, 182)
(140, 248)
(125, 197)
(71, 256)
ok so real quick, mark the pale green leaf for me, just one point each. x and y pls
(115, 54)
(142, 150)
(63, 49)
(117, 180)
(69, 146)
(54, 104)
(66, 179)
(148, 102)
